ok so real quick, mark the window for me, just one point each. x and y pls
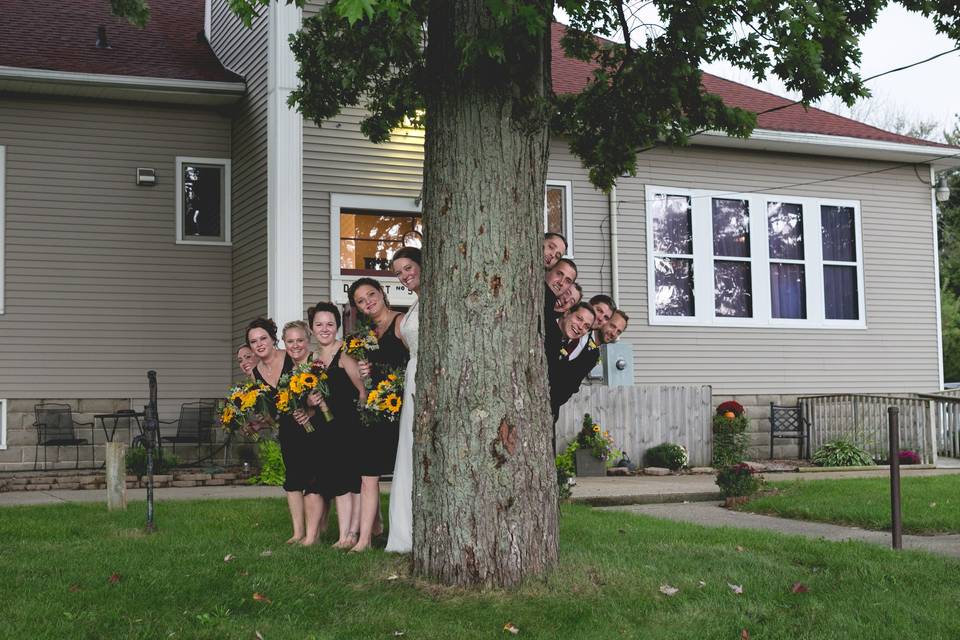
(772, 261)
(203, 201)
(558, 210)
(3, 198)
(365, 232)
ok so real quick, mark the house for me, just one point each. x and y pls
(800, 261)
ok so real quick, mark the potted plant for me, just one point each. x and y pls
(595, 449)
(737, 483)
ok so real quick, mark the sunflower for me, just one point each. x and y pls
(392, 377)
(596, 428)
(227, 416)
(355, 343)
(372, 396)
(248, 400)
(383, 386)
(309, 380)
(283, 400)
(392, 403)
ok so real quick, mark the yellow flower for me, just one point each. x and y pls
(372, 396)
(596, 428)
(324, 376)
(606, 434)
(283, 400)
(383, 386)
(392, 377)
(355, 343)
(227, 416)
(296, 384)
(309, 380)
(393, 403)
(248, 400)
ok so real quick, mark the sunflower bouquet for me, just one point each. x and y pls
(360, 343)
(246, 402)
(294, 387)
(384, 401)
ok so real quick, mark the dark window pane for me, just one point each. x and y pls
(672, 224)
(788, 291)
(732, 290)
(369, 239)
(731, 228)
(674, 284)
(785, 228)
(839, 234)
(840, 293)
(202, 201)
(556, 210)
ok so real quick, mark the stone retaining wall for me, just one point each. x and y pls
(65, 480)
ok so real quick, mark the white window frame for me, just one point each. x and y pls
(225, 163)
(397, 294)
(703, 258)
(3, 224)
(3, 419)
(568, 208)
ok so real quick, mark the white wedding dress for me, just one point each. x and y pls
(401, 488)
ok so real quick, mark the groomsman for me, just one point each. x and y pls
(585, 355)
(558, 279)
(561, 337)
(568, 298)
(616, 325)
(554, 248)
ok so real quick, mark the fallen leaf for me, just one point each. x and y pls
(744, 634)
(740, 549)
(397, 634)
(244, 573)
(736, 588)
(667, 590)
(798, 587)
(511, 628)
(229, 557)
(701, 583)
(933, 504)
(266, 553)
(393, 576)
(114, 578)
(74, 588)
(258, 635)
(259, 597)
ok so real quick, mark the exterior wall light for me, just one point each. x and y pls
(942, 190)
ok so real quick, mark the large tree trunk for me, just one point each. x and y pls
(485, 494)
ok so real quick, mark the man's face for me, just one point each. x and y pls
(567, 299)
(560, 278)
(576, 323)
(613, 328)
(553, 250)
(603, 314)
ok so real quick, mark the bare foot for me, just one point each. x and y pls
(308, 542)
(360, 547)
(346, 542)
(295, 539)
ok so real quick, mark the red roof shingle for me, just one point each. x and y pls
(62, 36)
(569, 76)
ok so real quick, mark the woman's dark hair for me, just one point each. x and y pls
(329, 307)
(410, 253)
(266, 324)
(359, 282)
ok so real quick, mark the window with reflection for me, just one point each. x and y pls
(732, 282)
(368, 239)
(788, 286)
(840, 282)
(557, 210)
(672, 225)
(203, 205)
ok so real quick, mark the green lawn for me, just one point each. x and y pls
(56, 563)
(930, 504)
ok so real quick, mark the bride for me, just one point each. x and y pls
(406, 263)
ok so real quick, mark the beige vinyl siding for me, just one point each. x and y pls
(244, 51)
(97, 290)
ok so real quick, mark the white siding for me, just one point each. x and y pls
(97, 290)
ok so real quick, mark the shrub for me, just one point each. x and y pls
(272, 471)
(841, 453)
(738, 480)
(599, 442)
(136, 460)
(729, 434)
(908, 456)
(566, 470)
(669, 455)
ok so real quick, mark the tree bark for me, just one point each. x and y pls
(485, 491)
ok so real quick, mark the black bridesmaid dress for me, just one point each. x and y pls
(378, 441)
(339, 438)
(298, 447)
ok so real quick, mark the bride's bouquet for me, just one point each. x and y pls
(246, 408)
(360, 343)
(384, 402)
(294, 387)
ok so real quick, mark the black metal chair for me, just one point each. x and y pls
(56, 428)
(194, 426)
(788, 423)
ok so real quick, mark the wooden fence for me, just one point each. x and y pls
(946, 416)
(643, 416)
(862, 419)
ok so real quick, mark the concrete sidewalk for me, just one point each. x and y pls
(710, 514)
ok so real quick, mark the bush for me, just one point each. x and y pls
(136, 460)
(566, 470)
(599, 442)
(669, 455)
(272, 470)
(738, 480)
(729, 436)
(841, 453)
(908, 456)
(730, 406)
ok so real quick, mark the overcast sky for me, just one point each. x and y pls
(929, 92)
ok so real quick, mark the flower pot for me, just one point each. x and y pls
(588, 465)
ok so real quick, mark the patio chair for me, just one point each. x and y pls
(56, 428)
(194, 426)
(788, 423)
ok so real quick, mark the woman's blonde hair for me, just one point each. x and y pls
(296, 324)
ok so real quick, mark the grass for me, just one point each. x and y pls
(57, 560)
(929, 504)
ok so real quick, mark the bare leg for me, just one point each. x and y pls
(295, 504)
(355, 513)
(344, 519)
(324, 515)
(315, 508)
(369, 506)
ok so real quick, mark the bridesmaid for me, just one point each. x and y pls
(406, 264)
(246, 360)
(339, 470)
(378, 441)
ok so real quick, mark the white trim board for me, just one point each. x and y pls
(3, 224)
(3, 424)
(936, 279)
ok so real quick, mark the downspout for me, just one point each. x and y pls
(614, 253)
